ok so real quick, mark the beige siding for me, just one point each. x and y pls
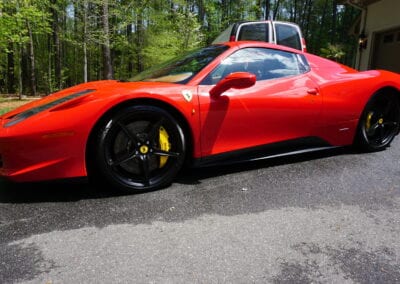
(381, 16)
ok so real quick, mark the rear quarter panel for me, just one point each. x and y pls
(345, 92)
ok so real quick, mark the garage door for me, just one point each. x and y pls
(387, 51)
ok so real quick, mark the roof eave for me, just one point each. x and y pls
(362, 4)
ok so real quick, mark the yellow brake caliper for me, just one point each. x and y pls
(368, 121)
(164, 145)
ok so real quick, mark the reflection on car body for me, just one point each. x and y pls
(220, 104)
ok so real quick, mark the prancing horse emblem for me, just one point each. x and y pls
(187, 95)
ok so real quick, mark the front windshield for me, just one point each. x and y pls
(183, 68)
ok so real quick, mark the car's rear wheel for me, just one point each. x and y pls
(140, 148)
(379, 122)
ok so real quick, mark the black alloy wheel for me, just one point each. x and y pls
(379, 123)
(140, 148)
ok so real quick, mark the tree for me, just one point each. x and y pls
(50, 44)
(107, 65)
(56, 43)
(334, 52)
(19, 23)
(85, 35)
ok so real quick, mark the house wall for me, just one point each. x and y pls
(381, 16)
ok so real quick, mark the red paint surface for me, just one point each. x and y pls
(53, 144)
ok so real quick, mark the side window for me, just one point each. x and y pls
(263, 62)
(287, 35)
(251, 31)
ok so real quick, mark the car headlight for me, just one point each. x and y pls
(28, 113)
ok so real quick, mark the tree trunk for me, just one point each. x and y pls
(225, 12)
(49, 67)
(10, 69)
(32, 60)
(129, 31)
(259, 10)
(334, 20)
(307, 24)
(85, 22)
(322, 26)
(20, 84)
(201, 13)
(267, 9)
(56, 45)
(276, 9)
(107, 66)
(139, 40)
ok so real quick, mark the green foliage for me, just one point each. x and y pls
(5, 110)
(333, 52)
(13, 22)
(144, 33)
(171, 35)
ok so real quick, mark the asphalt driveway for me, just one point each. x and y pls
(324, 217)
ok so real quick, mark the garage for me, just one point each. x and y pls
(378, 31)
(386, 51)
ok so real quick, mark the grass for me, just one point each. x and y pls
(9, 103)
(5, 109)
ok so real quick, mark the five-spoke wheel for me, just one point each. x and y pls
(140, 148)
(379, 122)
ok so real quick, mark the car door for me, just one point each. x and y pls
(284, 104)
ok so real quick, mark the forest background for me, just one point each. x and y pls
(47, 45)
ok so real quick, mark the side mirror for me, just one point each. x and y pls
(237, 80)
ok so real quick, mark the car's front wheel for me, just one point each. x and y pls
(379, 122)
(140, 148)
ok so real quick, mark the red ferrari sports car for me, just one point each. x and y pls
(220, 104)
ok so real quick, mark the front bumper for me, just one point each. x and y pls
(41, 156)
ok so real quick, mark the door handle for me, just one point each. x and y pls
(313, 91)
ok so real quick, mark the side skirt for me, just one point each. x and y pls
(269, 151)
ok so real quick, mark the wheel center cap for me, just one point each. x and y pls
(144, 149)
(380, 121)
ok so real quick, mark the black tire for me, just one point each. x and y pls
(128, 151)
(379, 123)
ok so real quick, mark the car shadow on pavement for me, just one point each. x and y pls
(70, 190)
(73, 190)
(194, 176)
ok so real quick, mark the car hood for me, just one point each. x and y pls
(95, 89)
